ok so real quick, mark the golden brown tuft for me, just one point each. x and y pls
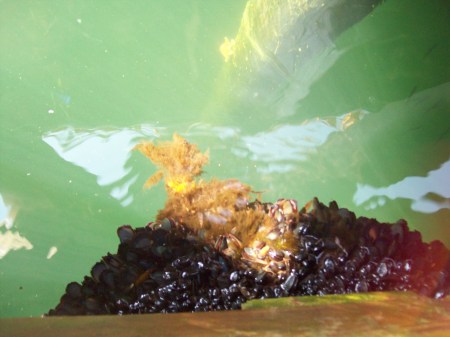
(217, 210)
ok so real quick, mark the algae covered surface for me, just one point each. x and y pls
(377, 315)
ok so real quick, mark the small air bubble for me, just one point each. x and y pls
(382, 269)
(361, 287)
(52, 251)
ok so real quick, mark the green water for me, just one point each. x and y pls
(358, 112)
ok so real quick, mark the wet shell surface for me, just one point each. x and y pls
(167, 267)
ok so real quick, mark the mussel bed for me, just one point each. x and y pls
(165, 267)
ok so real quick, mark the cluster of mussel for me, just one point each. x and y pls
(165, 267)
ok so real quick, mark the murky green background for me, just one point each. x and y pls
(327, 106)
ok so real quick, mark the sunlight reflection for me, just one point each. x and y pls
(103, 153)
(428, 194)
(222, 132)
(287, 143)
(10, 240)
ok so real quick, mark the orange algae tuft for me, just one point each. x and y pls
(179, 162)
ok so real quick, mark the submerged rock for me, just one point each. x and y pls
(212, 249)
(165, 267)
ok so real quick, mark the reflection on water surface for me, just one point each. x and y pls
(417, 189)
(291, 143)
(10, 238)
(103, 153)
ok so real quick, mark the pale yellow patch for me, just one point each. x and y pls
(180, 185)
(227, 48)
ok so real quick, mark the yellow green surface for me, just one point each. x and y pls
(300, 301)
(378, 315)
(345, 109)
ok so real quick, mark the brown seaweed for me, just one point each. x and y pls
(216, 210)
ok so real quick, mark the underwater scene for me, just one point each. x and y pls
(273, 109)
